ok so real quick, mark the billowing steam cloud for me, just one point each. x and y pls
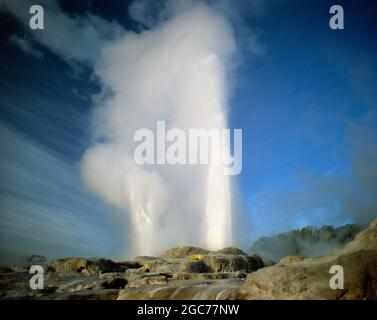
(175, 72)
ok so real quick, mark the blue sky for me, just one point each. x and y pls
(295, 104)
(306, 100)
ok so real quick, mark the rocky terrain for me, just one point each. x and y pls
(194, 273)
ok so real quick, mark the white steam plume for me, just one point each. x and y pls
(175, 72)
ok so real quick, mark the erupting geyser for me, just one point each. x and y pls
(175, 73)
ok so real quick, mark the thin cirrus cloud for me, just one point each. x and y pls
(25, 45)
(75, 39)
(44, 210)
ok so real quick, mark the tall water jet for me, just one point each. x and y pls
(175, 72)
(218, 209)
(217, 216)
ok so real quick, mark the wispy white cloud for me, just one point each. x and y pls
(25, 45)
(44, 209)
(74, 38)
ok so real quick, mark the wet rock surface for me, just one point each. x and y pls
(180, 273)
(83, 265)
(195, 273)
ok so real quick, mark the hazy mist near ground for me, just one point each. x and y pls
(307, 242)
